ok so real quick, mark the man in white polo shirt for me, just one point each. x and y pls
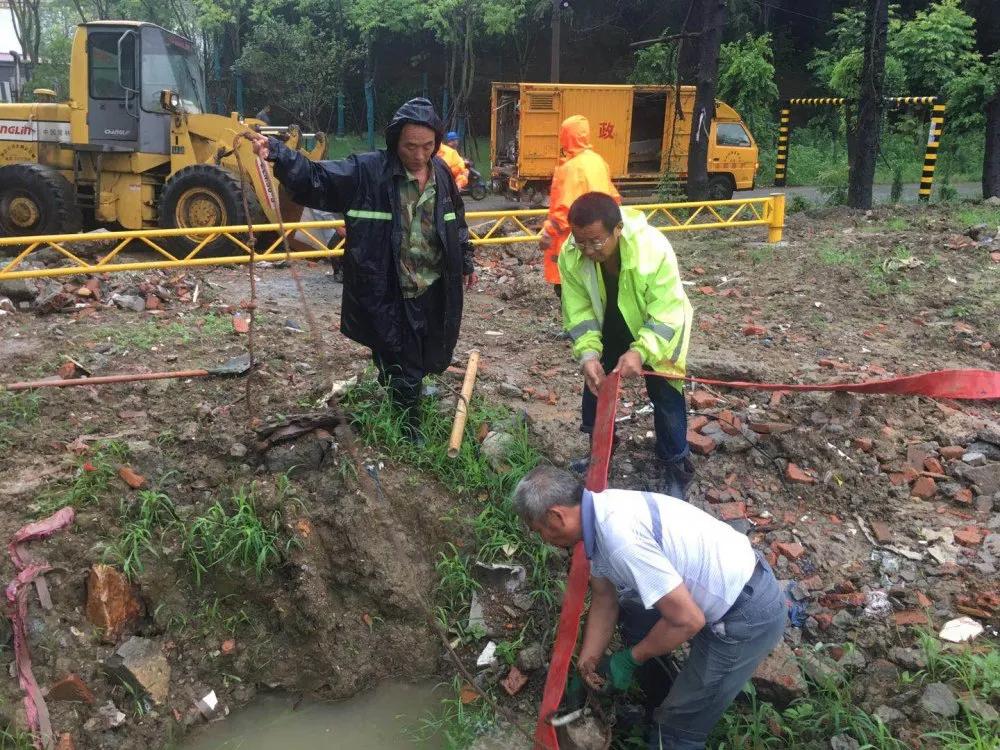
(668, 573)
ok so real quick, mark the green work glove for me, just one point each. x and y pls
(621, 670)
(575, 694)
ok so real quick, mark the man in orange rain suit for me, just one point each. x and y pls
(580, 171)
(449, 153)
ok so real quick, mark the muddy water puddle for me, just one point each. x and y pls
(374, 720)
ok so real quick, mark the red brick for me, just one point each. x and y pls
(925, 488)
(864, 444)
(133, 480)
(951, 452)
(915, 456)
(909, 617)
(995, 256)
(153, 302)
(514, 681)
(932, 465)
(963, 496)
(898, 479)
(883, 534)
(731, 511)
(729, 422)
(776, 397)
(71, 689)
(701, 400)
(713, 495)
(923, 600)
(839, 601)
(241, 323)
(112, 604)
(228, 646)
(813, 583)
(825, 620)
(789, 518)
(969, 536)
(700, 444)
(697, 422)
(846, 587)
(791, 550)
(697, 271)
(795, 474)
(754, 330)
(771, 428)
(707, 290)
(66, 742)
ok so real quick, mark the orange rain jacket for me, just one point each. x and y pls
(456, 164)
(581, 171)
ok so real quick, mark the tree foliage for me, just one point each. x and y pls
(655, 65)
(746, 82)
(273, 62)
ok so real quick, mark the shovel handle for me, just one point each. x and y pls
(104, 379)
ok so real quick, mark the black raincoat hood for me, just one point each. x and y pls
(417, 111)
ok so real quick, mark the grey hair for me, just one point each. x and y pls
(543, 487)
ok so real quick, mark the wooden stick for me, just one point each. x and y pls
(104, 379)
(462, 409)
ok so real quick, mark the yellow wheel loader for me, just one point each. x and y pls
(133, 145)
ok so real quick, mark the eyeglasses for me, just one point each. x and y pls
(592, 244)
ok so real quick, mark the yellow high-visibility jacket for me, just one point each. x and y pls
(651, 298)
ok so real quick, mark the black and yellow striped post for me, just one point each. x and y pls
(784, 129)
(931, 154)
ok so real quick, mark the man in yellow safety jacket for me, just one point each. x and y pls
(448, 151)
(581, 170)
(626, 311)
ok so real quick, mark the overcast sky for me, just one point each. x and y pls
(8, 41)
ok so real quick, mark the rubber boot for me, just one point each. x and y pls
(582, 464)
(676, 477)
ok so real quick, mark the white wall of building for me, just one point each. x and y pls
(8, 39)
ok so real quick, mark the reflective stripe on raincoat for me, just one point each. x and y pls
(650, 296)
(582, 171)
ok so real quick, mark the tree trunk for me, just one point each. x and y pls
(991, 159)
(870, 106)
(704, 101)
(687, 54)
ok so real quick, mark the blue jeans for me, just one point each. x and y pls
(669, 410)
(723, 658)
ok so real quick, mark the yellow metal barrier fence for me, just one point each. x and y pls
(486, 228)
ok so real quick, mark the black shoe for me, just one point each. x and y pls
(413, 436)
(579, 465)
(676, 477)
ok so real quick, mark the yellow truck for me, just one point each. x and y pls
(634, 128)
(133, 145)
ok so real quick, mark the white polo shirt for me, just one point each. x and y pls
(711, 558)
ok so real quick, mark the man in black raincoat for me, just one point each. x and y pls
(408, 256)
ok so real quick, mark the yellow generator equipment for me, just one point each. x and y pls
(132, 146)
(635, 128)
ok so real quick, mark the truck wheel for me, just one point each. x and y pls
(204, 195)
(720, 187)
(36, 199)
(478, 191)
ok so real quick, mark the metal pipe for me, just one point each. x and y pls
(104, 379)
(462, 409)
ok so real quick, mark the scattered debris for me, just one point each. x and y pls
(960, 630)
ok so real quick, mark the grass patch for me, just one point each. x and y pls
(972, 733)
(91, 481)
(152, 513)
(212, 617)
(456, 724)
(897, 224)
(975, 669)
(499, 533)
(146, 334)
(828, 710)
(234, 536)
(15, 739)
(973, 215)
(230, 534)
(17, 411)
(832, 255)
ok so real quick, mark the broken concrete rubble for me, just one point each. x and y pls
(112, 604)
(141, 664)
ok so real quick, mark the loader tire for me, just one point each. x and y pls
(35, 199)
(204, 195)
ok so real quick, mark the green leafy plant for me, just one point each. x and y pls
(91, 481)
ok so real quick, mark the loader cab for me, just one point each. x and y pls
(129, 66)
